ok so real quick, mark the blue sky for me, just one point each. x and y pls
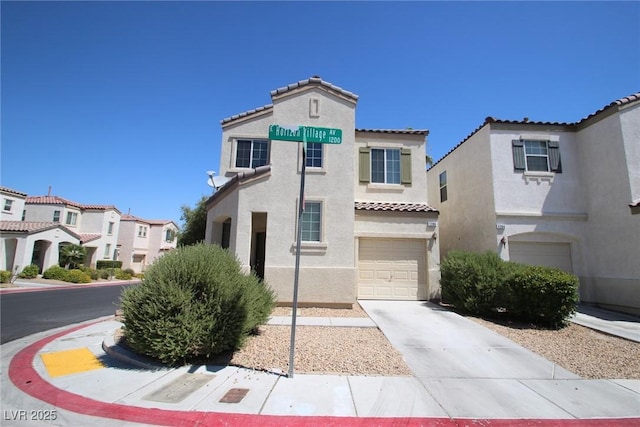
(120, 102)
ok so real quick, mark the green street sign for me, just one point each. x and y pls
(306, 133)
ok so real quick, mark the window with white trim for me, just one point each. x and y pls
(56, 216)
(312, 222)
(107, 251)
(169, 235)
(7, 205)
(536, 156)
(110, 228)
(314, 155)
(252, 153)
(72, 218)
(142, 231)
(385, 165)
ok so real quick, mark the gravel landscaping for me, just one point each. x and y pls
(366, 351)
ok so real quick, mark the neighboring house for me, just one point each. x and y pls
(12, 204)
(367, 230)
(96, 225)
(565, 195)
(141, 241)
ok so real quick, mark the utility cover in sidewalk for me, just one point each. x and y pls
(235, 395)
(69, 362)
(178, 389)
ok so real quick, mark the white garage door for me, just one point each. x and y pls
(391, 269)
(546, 254)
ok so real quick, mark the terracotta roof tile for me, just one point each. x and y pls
(526, 121)
(10, 191)
(315, 80)
(241, 176)
(88, 237)
(396, 207)
(397, 131)
(55, 200)
(246, 113)
(34, 227)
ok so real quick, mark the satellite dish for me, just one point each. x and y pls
(216, 181)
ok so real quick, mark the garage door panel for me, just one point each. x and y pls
(391, 268)
(556, 255)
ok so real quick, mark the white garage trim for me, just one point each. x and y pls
(542, 253)
(392, 269)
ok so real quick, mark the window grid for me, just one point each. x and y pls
(252, 153)
(7, 205)
(443, 186)
(110, 229)
(107, 250)
(311, 222)
(385, 166)
(72, 218)
(56, 216)
(537, 156)
(314, 155)
(142, 231)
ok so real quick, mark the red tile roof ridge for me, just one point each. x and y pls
(396, 131)
(315, 80)
(11, 191)
(246, 113)
(56, 200)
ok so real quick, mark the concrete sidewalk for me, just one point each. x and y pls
(463, 374)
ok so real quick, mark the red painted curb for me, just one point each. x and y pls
(19, 290)
(27, 379)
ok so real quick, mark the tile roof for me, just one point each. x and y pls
(246, 113)
(317, 81)
(10, 191)
(241, 176)
(397, 131)
(34, 227)
(128, 217)
(88, 237)
(395, 207)
(55, 200)
(489, 120)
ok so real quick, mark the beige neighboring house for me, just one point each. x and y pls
(367, 229)
(41, 225)
(565, 195)
(141, 241)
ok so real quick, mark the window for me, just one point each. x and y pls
(226, 233)
(314, 155)
(24, 214)
(56, 216)
(7, 205)
(251, 153)
(311, 222)
(72, 218)
(110, 229)
(107, 250)
(536, 156)
(385, 165)
(169, 235)
(142, 231)
(443, 186)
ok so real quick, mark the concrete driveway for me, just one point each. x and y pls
(474, 372)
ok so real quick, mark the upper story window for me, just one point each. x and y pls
(7, 205)
(536, 156)
(311, 221)
(72, 218)
(110, 228)
(252, 153)
(169, 235)
(56, 216)
(385, 165)
(314, 155)
(443, 186)
(142, 231)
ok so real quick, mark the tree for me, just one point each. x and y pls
(194, 223)
(71, 256)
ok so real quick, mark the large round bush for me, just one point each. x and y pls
(194, 303)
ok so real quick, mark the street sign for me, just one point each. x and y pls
(309, 133)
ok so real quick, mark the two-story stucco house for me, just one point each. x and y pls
(45, 223)
(141, 241)
(558, 194)
(367, 230)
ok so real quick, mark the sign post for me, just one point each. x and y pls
(303, 134)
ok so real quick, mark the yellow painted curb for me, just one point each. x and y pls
(70, 362)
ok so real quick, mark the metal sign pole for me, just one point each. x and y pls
(297, 270)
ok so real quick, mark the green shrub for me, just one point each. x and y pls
(29, 272)
(106, 264)
(473, 282)
(5, 276)
(104, 274)
(544, 296)
(194, 303)
(55, 273)
(122, 274)
(77, 276)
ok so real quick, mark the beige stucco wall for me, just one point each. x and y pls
(25, 244)
(610, 155)
(17, 206)
(467, 218)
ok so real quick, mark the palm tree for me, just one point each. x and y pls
(71, 256)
